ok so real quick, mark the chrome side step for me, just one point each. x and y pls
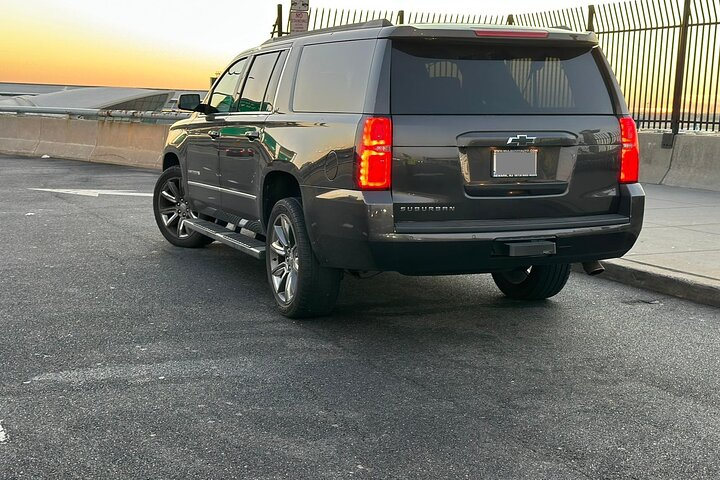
(254, 248)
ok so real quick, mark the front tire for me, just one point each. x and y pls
(533, 283)
(300, 285)
(171, 209)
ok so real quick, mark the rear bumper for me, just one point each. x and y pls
(355, 230)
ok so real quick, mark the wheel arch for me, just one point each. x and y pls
(277, 184)
(170, 158)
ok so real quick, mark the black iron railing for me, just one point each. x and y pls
(665, 53)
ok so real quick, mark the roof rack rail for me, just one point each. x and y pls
(380, 22)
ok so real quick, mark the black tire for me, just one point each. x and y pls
(171, 208)
(534, 283)
(301, 286)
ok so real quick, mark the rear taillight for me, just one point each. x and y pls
(374, 153)
(630, 154)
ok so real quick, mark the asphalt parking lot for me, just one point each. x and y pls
(124, 357)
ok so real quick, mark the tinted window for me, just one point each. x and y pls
(274, 80)
(333, 77)
(224, 92)
(253, 92)
(464, 79)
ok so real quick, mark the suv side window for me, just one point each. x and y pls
(223, 94)
(256, 85)
(269, 100)
(333, 77)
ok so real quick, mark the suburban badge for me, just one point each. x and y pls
(419, 208)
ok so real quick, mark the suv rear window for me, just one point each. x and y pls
(447, 79)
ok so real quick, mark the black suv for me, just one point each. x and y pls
(422, 149)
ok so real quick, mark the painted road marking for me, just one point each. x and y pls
(3, 435)
(224, 367)
(93, 193)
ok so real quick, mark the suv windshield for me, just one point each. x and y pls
(447, 79)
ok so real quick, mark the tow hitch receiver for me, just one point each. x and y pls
(524, 248)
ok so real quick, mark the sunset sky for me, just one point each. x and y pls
(165, 43)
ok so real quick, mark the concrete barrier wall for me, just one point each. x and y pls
(694, 160)
(654, 160)
(133, 144)
(19, 135)
(122, 143)
(63, 138)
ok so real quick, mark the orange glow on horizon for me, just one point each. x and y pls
(53, 53)
(173, 44)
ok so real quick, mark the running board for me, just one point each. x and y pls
(254, 248)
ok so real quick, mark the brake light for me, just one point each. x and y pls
(512, 33)
(630, 153)
(375, 154)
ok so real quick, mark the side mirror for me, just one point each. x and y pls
(189, 101)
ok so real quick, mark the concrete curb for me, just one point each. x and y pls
(660, 280)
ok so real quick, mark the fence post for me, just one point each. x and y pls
(277, 27)
(511, 19)
(401, 17)
(591, 18)
(680, 70)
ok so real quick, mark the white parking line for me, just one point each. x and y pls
(93, 193)
(3, 434)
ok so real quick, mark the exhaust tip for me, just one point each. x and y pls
(593, 268)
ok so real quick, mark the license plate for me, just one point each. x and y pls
(514, 163)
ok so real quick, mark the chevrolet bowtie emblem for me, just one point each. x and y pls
(521, 141)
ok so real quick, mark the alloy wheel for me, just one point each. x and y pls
(284, 264)
(174, 209)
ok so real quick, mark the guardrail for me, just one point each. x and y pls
(159, 117)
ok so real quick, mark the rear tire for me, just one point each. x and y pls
(534, 283)
(301, 286)
(171, 209)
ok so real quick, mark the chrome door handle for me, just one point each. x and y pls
(252, 135)
(214, 134)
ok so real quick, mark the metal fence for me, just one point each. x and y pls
(665, 53)
(330, 17)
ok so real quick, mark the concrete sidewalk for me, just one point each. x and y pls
(678, 252)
